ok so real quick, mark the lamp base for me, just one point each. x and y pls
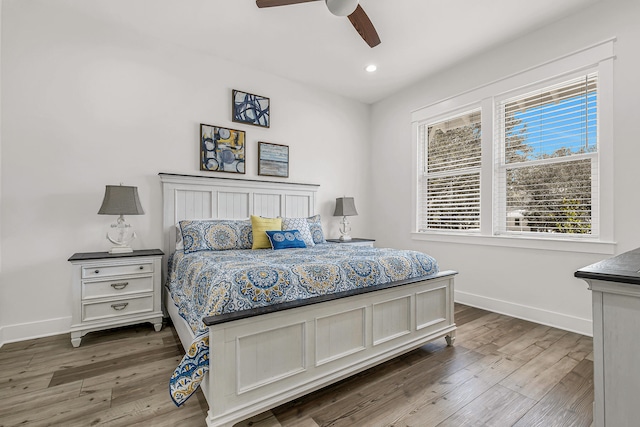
(121, 234)
(345, 228)
(120, 250)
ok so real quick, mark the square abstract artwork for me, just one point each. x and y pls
(273, 159)
(221, 149)
(250, 109)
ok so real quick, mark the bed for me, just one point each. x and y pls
(262, 356)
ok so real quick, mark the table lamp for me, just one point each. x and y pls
(121, 200)
(345, 206)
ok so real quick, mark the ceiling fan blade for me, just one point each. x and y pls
(272, 3)
(364, 27)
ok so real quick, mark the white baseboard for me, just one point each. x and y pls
(45, 328)
(27, 331)
(533, 314)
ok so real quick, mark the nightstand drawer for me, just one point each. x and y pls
(116, 270)
(101, 310)
(108, 288)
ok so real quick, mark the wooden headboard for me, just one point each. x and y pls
(199, 197)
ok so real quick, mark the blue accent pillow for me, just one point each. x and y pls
(285, 239)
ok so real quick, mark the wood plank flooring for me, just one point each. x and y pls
(500, 372)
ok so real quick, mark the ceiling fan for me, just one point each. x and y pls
(350, 8)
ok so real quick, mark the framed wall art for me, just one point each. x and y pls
(273, 159)
(221, 149)
(250, 109)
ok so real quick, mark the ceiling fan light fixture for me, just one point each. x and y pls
(342, 7)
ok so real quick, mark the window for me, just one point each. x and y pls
(525, 161)
(450, 173)
(547, 157)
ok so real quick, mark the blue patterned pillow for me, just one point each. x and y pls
(285, 239)
(300, 224)
(215, 235)
(315, 226)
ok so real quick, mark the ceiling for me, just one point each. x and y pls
(306, 43)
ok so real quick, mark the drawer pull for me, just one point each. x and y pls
(119, 286)
(120, 306)
(97, 271)
(142, 267)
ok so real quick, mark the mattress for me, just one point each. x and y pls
(209, 283)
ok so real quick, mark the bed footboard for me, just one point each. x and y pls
(260, 362)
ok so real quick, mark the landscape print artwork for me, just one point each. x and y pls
(250, 109)
(222, 149)
(273, 159)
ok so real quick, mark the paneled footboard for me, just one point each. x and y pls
(259, 362)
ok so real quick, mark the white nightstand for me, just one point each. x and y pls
(115, 290)
(354, 241)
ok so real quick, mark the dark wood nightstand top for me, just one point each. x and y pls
(353, 240)
(84, 256)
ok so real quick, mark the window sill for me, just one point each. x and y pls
(565, 245)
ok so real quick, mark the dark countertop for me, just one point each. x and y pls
(623, 268)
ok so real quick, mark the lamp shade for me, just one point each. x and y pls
(121, 200)
(345, 206)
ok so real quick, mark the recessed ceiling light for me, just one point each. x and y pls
(371, 68)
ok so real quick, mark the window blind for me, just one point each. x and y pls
(449, 186)
(547, 159)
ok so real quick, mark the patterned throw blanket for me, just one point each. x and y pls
(209, 283)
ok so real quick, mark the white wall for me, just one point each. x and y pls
(533, 284)
(85, 104)
(2, 298)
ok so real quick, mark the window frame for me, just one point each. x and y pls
(596, 58)
(424, 174)
(500, 167)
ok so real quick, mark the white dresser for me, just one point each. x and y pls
(115, 290)
(615, 286)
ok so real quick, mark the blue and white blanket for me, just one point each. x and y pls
(210, 283)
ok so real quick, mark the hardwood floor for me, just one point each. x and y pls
(500, 372)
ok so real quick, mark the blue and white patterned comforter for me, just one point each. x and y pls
(208, 283)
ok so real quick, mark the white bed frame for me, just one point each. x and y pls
(260, 362)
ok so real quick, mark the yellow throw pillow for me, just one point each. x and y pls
(259, 226)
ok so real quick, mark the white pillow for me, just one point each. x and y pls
(300, 224)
